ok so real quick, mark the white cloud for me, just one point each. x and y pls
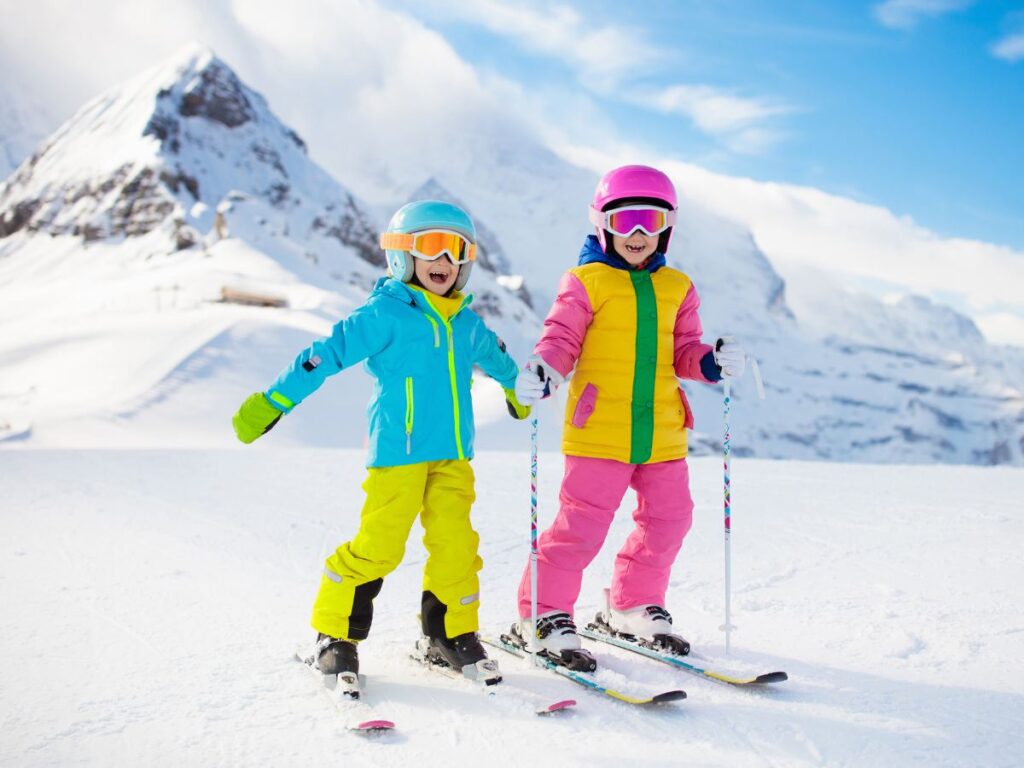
(609, 60)
(1002, 327)
(905, 14)
(597, 53)
(754, 140)
(868, 244)
(739, 123)
(711, 109)
(1009, 48)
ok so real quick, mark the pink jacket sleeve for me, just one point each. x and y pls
(565, 326)
(687, 344)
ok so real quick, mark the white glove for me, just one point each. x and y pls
(730, 357)
(536, 381)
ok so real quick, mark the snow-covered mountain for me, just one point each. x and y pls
(119, 235)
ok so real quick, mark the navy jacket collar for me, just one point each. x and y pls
(592, 252)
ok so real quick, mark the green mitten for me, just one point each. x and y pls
(515, 409)
(255, 417)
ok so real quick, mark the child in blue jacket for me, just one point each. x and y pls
(419, 341)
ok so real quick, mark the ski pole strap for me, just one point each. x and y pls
(758, 381)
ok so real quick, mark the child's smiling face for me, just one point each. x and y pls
(636, 248)
(436, 276)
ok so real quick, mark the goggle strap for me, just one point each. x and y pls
(396, 241)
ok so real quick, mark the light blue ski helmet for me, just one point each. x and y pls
(422, 215)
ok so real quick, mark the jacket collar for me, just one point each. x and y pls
(592, 253)
(396, 289)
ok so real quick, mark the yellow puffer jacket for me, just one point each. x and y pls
(629, 334)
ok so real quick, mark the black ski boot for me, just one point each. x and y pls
(334, 655)
(338, 662)
(464, 653)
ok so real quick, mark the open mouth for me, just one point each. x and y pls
(439, 277)
(635, 248)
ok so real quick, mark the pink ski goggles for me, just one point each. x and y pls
(624, 221)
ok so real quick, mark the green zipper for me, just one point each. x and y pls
(408, 414)
(437, 336)
(455, 387)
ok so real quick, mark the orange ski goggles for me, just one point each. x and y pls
(431, 245)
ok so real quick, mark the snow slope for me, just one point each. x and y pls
(152, 600)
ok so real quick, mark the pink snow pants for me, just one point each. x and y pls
(592, 490)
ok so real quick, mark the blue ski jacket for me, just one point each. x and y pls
(422, 408)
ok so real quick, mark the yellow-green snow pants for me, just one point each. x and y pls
(441, 494)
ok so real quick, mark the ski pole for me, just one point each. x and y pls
(533, 535)
(727, 495)
(726, 448)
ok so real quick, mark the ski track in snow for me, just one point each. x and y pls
(153, 599)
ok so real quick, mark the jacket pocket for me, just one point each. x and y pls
(687, 413)
(584, 406)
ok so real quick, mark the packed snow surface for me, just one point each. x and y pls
(152, 602)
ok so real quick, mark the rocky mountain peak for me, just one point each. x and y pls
(162, 151)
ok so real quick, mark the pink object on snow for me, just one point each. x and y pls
(592, 490)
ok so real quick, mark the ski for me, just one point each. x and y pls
(583, 679)
(487, 681)
(346, 693)
(603, 634)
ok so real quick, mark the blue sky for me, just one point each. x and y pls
(917, 105)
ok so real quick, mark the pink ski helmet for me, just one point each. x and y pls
(634, 184)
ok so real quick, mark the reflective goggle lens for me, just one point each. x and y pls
(431, 245)
(624, 221)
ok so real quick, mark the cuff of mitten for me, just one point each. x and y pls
(515, 409)
(550, 371)
(709, 368)
(279, 401)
